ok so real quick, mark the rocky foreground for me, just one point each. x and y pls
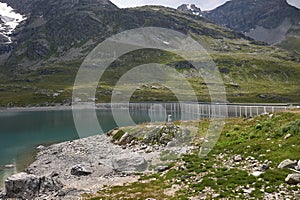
(69, 169)
(255, 158)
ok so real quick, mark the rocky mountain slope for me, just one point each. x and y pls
(264, 20)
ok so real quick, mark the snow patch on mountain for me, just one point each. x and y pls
(9, 20)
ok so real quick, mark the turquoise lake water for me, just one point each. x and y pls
(22, 132)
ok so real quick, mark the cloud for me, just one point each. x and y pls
(295, 3)
(203, 4)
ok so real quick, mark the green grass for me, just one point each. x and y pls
(291, 43)
(251, 74)
(260, 137)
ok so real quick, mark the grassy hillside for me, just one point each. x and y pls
(259, 141)
(252, 72)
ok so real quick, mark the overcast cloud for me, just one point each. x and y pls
(203, 4)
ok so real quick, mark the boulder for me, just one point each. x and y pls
(129, 164)
(28, 186)
(22, 186)
(287, 164)
(81, 170)
(293, 179)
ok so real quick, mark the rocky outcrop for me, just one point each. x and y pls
(29, 186)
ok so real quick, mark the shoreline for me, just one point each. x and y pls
(107, 106)
(86, 165)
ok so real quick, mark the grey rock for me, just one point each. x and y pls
(293, 179)
(28, 186)
(287, 164)
(131, 164)
(162, 168)
(81, 170)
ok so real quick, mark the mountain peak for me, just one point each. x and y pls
(191, 8)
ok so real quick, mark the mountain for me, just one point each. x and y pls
(191, 8)
(54, 28)
(264, 20)
(49, 46)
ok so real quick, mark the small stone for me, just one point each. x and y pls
(248, 191)
(143, 147)
(237, 158)
(264, 167)
(215, 196)
(257, 173)
(293, 179)
(9, 166)
(149, 150)
(287, 164)
(162, 168)
(41, 147)
(287, 136)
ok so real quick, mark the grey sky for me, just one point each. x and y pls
(203, 4)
